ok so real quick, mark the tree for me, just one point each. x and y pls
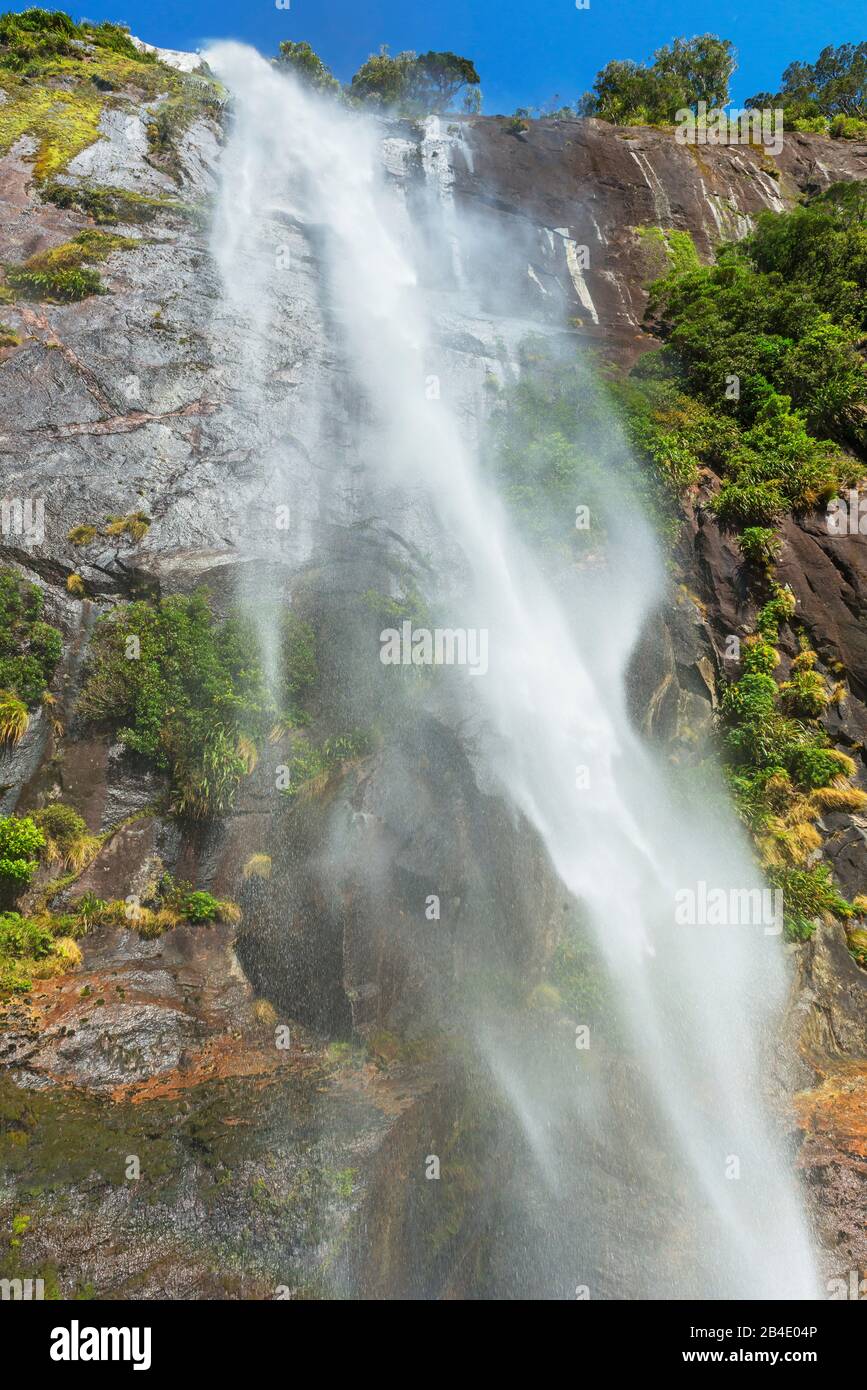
(835, 85)
(383, 80)
(413, 84)
(681, 75)
(307, 66)
(702, 67)
(439, 77)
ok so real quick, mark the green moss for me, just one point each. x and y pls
(59, 77)
(8, 336)
(107, 205)
(65, 273)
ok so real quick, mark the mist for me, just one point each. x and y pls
(670, 1090)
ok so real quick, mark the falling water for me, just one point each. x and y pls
(699, 1002)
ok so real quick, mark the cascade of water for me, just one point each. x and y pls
(699, 1000)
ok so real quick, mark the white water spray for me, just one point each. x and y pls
(700, 1001)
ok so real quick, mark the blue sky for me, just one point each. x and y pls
(525, 50)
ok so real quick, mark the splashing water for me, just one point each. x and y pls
(699, 1001)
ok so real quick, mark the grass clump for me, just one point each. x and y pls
(135, 526)
(67, 839)
(81, 535)
(65, 274)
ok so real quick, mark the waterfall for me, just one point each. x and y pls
(699, 1001)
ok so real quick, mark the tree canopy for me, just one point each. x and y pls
(413, 83)
(835, 85)
(682, 74)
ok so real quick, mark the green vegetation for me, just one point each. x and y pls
(8, 336)
(308, 67)
(135, 526)
(30, 950)
(67, 839)
(782, 769)
(108, 205)
(58, 77)
(188, 693)
(681, 74)
(553, 443)
(312, 765)
(21, 842)
(81, 535)
(413, 84)
(29, 652)
(66, 272)
(828, 95)
(185, 691)
(44, 945)
(767, 340)
(33, 38)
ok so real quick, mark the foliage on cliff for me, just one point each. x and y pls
(188, 692)
(765, 347)
(681, 74)
(769, 339)
(410, 83)
(58, 77)
(829, 95)
(29, 652)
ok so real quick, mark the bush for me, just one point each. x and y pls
(760, 546)
(67, 839)
(681, 75)
(184, 691)
(848, 128)
(20, 843)
(63, 274)
(29, 648)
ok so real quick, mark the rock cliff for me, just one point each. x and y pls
(263, 1166)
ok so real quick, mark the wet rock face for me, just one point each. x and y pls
(134, 400)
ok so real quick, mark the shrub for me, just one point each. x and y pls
(81, 535)
(186, 701)
(67, 839)
(848, 128)
(200, 907)
(759, 545)
(20, 843)
(29, 648)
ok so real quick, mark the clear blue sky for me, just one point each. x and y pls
(525, 50)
